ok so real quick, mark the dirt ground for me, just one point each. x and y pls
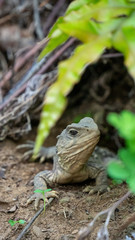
(65, 216)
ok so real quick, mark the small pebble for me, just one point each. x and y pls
(12, 209)
(75, 231)
(37, 231)
(65, 200)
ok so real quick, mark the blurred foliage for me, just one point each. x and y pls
(98, 24)
(125, 169)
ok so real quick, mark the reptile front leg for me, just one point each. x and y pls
(40, 182)
(101, 181)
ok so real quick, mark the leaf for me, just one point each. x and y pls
(22, 221)
(128, 158)
(131, 183)
(54, 106)
(84, 13)
(126, 119)
(56, 37)
(113, 119)
(124, 41)
(119, 3)
(39, 191)
(42, 191)
(78, 4)
(125, 123)
(82, 29)
(117, 170)
(71, 69)
(12, 222)
(48, 190)
(131, 144)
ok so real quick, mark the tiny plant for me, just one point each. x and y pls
(124, 169)
(12, 222)
(43, 193)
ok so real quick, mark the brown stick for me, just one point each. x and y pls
(56, 55)
(23, 60)
(5, 19)
(52, 16)
(37, 21)
(43, 69)
(127, 222)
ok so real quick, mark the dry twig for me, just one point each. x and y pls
(23, 60)
(37, 21)
(52, 16)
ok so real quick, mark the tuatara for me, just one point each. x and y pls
(72, 160)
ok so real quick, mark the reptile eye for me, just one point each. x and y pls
(73, 132)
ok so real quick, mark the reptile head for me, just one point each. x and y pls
(76, 143)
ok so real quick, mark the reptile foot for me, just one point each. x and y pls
(97, 189)
(28, 145)
(42, 154)
(39, 196)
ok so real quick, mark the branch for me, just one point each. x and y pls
(52, 16)
(126, 223)
(37, 21)
(23, 60)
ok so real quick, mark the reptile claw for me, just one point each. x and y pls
(28, 154)
(38, 196)
(99, 189)
(42, 159)
(28, 144)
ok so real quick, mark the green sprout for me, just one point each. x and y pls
(12, 222)
(43, 193)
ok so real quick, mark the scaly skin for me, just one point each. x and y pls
(72, 162)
